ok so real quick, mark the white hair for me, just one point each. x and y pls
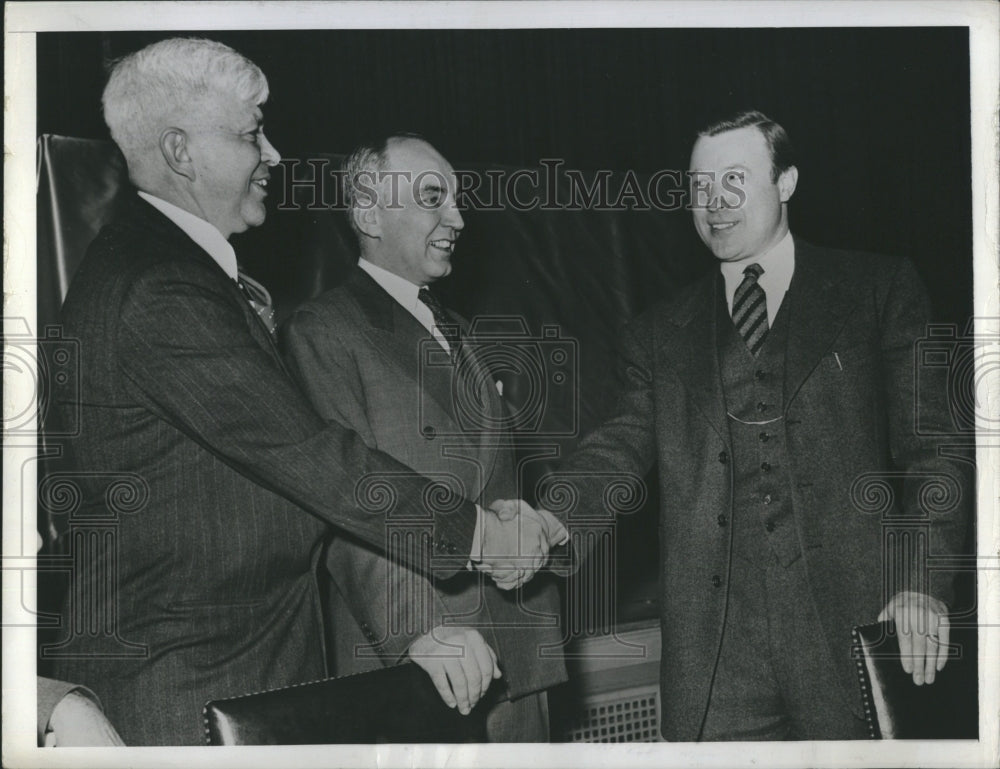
(151, 87)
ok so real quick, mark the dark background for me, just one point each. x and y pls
(880, 118)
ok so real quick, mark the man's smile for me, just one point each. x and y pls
(443, 244)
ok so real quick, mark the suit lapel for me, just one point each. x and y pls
(393, 330)
(819, 301)
(489, 400)
(148, 217)
(690, 343)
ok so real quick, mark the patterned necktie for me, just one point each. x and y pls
(750, 309)
(259, 299)
(449, 329)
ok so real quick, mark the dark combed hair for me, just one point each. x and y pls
(778, 144)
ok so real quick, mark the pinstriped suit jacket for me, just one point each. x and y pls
(358, 355)
(215, 575)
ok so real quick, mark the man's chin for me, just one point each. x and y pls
(442, 269)
(252, 219)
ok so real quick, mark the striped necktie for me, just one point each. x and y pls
(750, 309)
(449, 329)
(258, 298)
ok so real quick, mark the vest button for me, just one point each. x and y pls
(762, 407)
(764, 437)
(429, 432)
(760, 375)
(765, 467)
(716, 580)
(722, 520)
(770, 526)
(767, 499)
(723, 457)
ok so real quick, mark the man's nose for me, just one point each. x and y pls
(268, 153)
(714, 202)
(453, 217)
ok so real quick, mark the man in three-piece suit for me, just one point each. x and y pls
(237, 480)
(767, 394)
(381, 354)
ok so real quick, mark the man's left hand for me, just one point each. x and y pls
(923, 629)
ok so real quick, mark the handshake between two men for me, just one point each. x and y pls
(514, 543)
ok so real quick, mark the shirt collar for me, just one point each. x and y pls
(778, 265)
(201, 232)
(400, 289)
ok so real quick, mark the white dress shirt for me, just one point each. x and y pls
(406, 294)
(778, 265)
(201, 232)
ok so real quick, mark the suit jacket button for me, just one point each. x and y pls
(429, 432)
(764, 437)
(762, 407)
(760, 375)
(765, 467)
(723, 457)
(722, 520)
(716, 580)
(770, 526)
(767, 499)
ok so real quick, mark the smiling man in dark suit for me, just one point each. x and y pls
(361, 353)
(764, 393)
(183, 391)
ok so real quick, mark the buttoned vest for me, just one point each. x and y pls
(763, 518)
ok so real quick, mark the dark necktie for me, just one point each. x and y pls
(259, 299)
(750, 309)
(449, 329)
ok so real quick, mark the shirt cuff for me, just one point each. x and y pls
(476, 554)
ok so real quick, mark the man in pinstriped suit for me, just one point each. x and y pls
(213, 581)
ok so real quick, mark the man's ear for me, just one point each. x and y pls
(367, 218)
(173, 147)
(786, 183)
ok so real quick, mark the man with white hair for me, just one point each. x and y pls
(209, 587)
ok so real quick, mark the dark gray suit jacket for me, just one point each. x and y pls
(361, 358)
(849, 395)
(215, 575)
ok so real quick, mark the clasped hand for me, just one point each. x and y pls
(516, 541)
